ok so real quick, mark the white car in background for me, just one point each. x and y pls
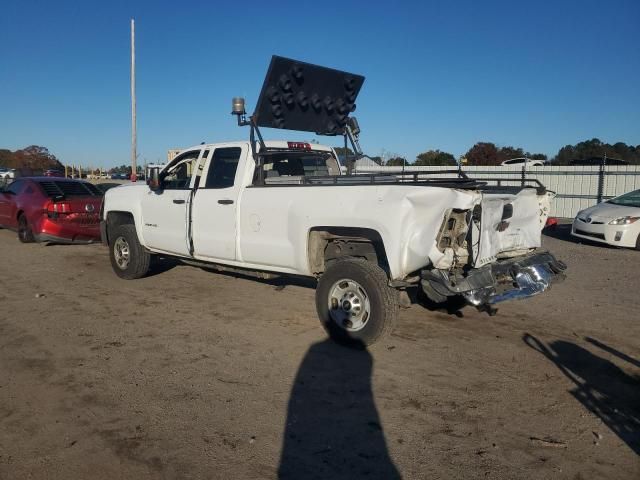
(524, 161)
(6, 175)
(7, 172)
(615, 222)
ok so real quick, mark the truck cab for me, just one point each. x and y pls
(194, 209)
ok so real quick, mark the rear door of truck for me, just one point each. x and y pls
(215, 203)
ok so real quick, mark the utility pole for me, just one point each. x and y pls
(134, 139)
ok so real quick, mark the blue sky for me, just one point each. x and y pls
(443, 75)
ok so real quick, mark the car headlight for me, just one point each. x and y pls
(624, 220)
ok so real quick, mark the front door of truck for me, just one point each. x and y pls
(215, 205)
(165, 213)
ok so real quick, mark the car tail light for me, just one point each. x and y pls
(54, 209)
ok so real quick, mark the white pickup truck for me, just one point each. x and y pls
(273, 208)
(363, 237)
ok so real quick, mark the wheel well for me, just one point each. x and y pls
(117, 218)
(329, 243)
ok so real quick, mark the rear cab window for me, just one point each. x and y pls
(293, 166)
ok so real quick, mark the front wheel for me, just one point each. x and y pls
(355, 303)
(129, 259)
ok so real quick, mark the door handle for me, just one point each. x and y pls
(179, 202)
(225, 202)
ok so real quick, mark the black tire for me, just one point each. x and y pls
(25, 235)
(369, 300)
(134, 263)
(638, 243)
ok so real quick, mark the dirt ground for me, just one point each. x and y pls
(193, 374)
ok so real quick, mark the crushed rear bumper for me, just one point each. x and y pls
(507, 279)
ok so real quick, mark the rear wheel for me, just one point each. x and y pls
(638, 242)
(128, 257)
(355, 303)
(25, 235)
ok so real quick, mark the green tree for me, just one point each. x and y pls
(435, 157)
(5, 157)
(33, 157)
(596, 148)
(397, 162)
(483, 153)
(507, 153)
(341, 151)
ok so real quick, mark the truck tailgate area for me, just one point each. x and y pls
(510, 225)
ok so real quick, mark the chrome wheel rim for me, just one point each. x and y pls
(121, 252)
(349, 305)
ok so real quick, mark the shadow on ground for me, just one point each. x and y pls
(452, 306)
(333, 428)
(160, 264)
(562, 231)
(601, 386)
(279, 282)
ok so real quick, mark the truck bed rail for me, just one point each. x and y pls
(456, 180)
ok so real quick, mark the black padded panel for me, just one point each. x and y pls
(301, 96)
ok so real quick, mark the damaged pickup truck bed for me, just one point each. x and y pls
(274, 208)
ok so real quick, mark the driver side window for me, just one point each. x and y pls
(178, 175)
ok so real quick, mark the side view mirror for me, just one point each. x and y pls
(153, 180)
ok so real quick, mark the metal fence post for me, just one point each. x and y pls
(601, 175)
(523, 175)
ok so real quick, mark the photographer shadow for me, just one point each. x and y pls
(601, 386)
(333, 429)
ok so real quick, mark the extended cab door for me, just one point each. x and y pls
(165, 212)
(215, 204)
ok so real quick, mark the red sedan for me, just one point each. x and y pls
(50, 209)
